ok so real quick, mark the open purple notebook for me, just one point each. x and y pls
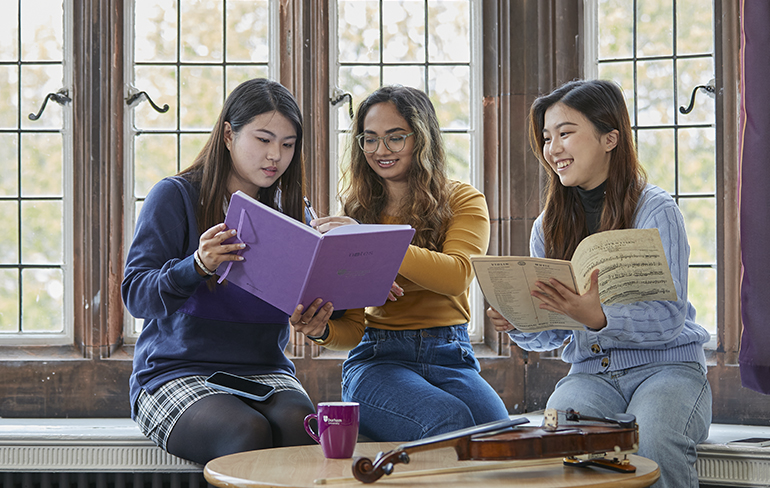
(287, 262)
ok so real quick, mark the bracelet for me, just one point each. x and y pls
(322, 337)
(201, 265)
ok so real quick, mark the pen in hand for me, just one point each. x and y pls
(310, 208)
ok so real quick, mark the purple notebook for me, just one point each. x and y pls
(287, 262)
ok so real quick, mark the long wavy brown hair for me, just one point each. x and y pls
(212, 167)
(365, 195)
(564, 220)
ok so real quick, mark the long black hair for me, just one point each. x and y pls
(212, 167)
(564, 221)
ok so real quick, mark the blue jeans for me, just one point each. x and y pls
(413, 384)
(672, 405)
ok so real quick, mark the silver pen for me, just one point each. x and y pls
(310, 208)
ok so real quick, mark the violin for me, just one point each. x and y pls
(508, 440)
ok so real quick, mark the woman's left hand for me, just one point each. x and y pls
(395, 292)
(312, 321)
(325, 224)
(586, 308)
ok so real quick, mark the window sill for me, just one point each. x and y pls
(58, 353)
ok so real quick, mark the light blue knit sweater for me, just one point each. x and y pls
(641, 332)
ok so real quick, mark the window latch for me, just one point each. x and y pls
(61, 97)
(710, 89)
(341, 96)
(142, 95)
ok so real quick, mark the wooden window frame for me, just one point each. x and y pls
(528, 48)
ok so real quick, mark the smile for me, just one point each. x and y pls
(386, 163)
(563, 163)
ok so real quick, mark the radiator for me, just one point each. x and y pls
(88, 453)
(102, 480)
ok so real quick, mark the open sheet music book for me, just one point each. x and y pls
(287, 262)
(632, 267)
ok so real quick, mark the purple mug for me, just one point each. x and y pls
(337, 428)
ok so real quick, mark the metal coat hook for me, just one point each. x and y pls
(61, 97)
(710, 88)
(336, 101)
(143, 95)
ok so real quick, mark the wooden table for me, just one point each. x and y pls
(306, 467)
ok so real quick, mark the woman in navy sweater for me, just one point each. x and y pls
(193, 326)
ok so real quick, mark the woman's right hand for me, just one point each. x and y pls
(211, 250)
(325, 224)
(500, 323)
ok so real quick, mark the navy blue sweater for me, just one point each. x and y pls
(189, 329)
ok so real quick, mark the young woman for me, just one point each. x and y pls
(412, 367)
(645, 358)
(194, 326)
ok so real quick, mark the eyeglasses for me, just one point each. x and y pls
(394, 142)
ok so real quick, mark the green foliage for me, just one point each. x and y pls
(32, 167)
(405, 36)
(680, 160)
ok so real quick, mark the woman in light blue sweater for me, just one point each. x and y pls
(644, 358)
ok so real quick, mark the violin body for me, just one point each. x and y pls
(536, 443)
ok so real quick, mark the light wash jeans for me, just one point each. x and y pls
(672, 405)
(413, 384)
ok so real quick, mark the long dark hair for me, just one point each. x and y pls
(564, 220)
(365, 195)
(212, 167)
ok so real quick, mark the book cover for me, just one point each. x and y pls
(287, 262)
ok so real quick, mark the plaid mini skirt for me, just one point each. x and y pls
(157, 413)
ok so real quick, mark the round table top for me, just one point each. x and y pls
(306, 467)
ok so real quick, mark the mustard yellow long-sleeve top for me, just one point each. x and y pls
(435, 283)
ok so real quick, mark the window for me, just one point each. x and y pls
(659, 52)
(187, 57)
(35, 180)
(92, 188)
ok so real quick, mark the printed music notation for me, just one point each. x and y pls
(632, 267)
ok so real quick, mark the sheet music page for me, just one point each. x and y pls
(632, 266)
(506, 282)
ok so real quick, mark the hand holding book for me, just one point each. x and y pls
(287, 263)
(585, 309)
(632, 267)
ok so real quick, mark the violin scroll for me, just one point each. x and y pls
(367, 471)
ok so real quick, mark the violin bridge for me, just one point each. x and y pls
(550, 420)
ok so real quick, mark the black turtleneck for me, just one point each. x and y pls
(593, 203)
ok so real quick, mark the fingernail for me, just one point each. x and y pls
(233, 232)
(241, 258)
(242, 246)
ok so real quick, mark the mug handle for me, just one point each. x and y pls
(308, 429)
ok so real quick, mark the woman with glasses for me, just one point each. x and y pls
(411, 367)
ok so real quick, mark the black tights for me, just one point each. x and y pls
(217, 425)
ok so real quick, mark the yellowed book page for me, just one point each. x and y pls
(506, 282)
(632, 266)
